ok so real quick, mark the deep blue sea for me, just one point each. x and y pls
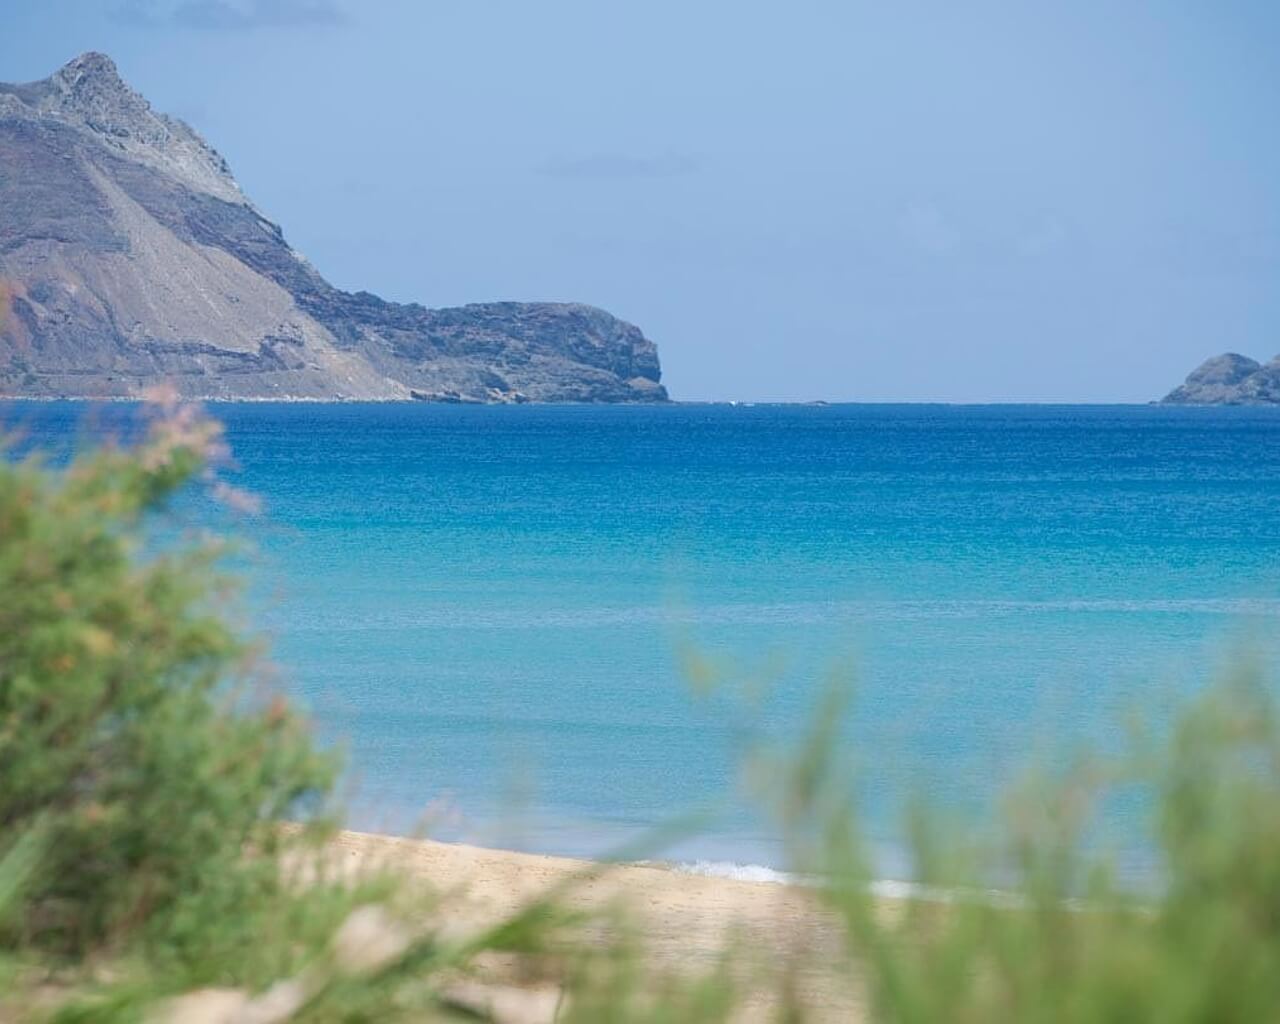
(494, 608)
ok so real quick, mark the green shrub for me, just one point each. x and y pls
(132, 751)
(151, 787)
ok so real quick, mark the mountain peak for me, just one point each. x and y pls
(90, 88)
(91, 83)
(88, 95)
(91, 66)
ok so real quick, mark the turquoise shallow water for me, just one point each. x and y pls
(489, 603)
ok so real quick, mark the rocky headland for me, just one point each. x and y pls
(129, 256)
(1229, 379)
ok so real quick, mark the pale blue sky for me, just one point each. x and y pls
(811, 199)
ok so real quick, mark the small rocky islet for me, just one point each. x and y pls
(1229, 379)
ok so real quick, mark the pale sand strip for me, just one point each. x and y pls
(685, 919)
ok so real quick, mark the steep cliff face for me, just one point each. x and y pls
(1229, 379)
(130, 255)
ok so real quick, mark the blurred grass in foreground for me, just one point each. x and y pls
(147, 873)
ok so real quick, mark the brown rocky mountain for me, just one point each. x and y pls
(129, 255)
(1229, 379)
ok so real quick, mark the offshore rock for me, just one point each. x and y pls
(129, 255)
(1229, 379)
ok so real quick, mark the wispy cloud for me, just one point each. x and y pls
(619, 166)
(1043, 237)
(926, 227)
(229, 15)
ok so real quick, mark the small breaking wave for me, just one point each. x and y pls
(887, 888)
(736, 872)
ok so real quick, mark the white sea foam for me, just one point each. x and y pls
(735, 871)
(892, 889)
(886, 888)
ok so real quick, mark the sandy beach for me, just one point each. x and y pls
(686, 920)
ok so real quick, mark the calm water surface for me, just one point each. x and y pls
(493, 605)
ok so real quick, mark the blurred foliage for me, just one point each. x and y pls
(152, 867)
(1030, 919)
(137, 763)
(164, 815)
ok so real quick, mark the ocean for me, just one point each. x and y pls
(559, 628)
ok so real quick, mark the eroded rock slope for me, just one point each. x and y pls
(129, 255)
